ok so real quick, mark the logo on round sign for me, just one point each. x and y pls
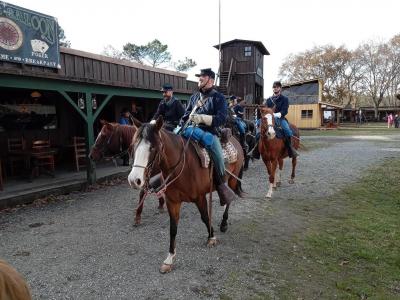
(10, 34)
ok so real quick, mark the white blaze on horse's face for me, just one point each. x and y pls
(271, 130)
(136, 177)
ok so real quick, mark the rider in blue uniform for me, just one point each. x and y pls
(170, 108)
(210, 114)
(240, 124)
(280, 104)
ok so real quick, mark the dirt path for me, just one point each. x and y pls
(85, 247)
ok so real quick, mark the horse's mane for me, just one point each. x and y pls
(12, 284)
(266, 109)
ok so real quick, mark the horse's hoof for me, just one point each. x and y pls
(165, 268)
(211, 242)
(268, 196)
(274, 188)
(138, 221)
(223, 228)
(278, 183)
(291, 181)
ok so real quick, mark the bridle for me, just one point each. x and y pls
(169, 179)
(105, 145)
(265, 127)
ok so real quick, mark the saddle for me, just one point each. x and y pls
(229, 151)
(280, 134)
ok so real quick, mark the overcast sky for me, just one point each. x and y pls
(190, 28)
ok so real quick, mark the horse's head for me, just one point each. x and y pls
(267, 122)
(147, 148)
(106, 142)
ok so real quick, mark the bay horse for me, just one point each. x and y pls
(273, 150)
(186, 179)
(114, 140)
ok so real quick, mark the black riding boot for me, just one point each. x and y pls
(225, 194)
(291, 150)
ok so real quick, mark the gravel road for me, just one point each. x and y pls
(84, 246)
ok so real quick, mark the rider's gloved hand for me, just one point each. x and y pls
(201, 119)
(153, 122)
(277, 115)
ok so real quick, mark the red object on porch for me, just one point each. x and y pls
(15, 144)
(79, 151)
(43, 154)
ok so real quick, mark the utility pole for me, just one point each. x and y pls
(219, 41)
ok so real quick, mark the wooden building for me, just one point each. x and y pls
(242, 69)
(59, 103)
(307, 107)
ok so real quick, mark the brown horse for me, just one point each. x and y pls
(273, 150)
(12, 284)
(186, 180)
(114, 140)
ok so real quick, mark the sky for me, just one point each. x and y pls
(190, 28)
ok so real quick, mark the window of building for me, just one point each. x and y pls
(307, 114)
(247, 51)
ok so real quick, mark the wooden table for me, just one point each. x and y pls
(30, 157)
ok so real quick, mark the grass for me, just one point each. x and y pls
(349, 249)
(355, 253)
(351, 131)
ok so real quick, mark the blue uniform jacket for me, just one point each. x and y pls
(281, 102)
(214, 105)
(239, 111)
(172, 111)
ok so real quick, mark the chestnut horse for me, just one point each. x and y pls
(186, 180)
(114, 141)
(273, 150)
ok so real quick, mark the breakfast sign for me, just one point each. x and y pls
(28, 37)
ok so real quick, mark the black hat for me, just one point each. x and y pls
(206, 72)
(167, 87)
(277, 83)
(233, 97)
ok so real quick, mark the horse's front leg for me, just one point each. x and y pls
(294, 162)
(173, 210)
(278, 172)
(271, 173)
(161, 202)
(139, 209)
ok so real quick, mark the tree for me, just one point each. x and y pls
(110, 51)
(379, 70)
(63, 41)
(154, 53)
(335, 66)
(185, 65)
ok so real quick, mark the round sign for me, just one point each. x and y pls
(10, 34)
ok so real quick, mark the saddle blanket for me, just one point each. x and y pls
(228, 149)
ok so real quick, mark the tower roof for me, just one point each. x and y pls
(258, 44)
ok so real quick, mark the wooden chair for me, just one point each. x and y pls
(16, 144)
(43, 156)
(79, 152)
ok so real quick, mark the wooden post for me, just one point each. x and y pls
(90, 165)
(338, 117)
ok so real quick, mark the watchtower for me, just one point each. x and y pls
(242, 69)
